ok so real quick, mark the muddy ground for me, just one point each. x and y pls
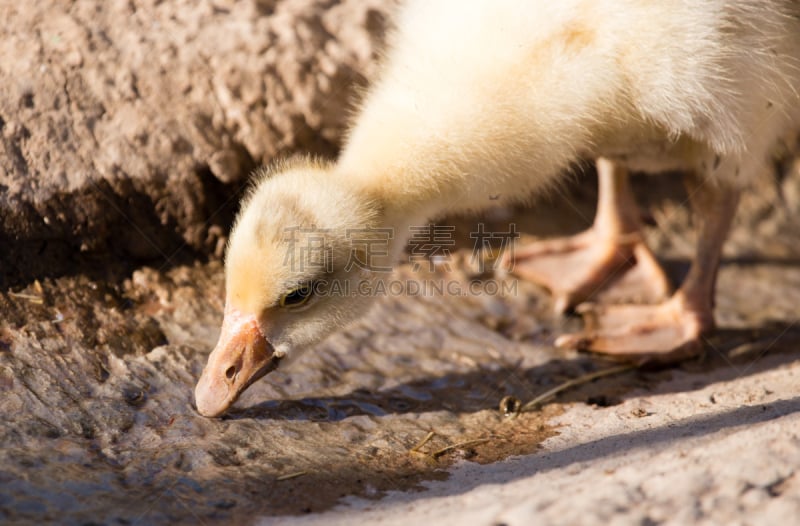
(113, 215)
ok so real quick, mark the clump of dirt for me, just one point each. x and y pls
(128, 129)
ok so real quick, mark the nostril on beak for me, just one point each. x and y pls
(230, 372)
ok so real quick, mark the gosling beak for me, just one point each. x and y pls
(241, 357)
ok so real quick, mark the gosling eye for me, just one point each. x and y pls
(297, 297)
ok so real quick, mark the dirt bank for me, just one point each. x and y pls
(129, 128)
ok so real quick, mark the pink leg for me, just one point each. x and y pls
(672, 329)
(610, 261)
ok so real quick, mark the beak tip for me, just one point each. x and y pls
(241, 357)
(209, 402)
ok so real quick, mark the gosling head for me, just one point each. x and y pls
(294, 267)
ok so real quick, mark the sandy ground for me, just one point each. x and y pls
(727, 452)
(99, 425)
